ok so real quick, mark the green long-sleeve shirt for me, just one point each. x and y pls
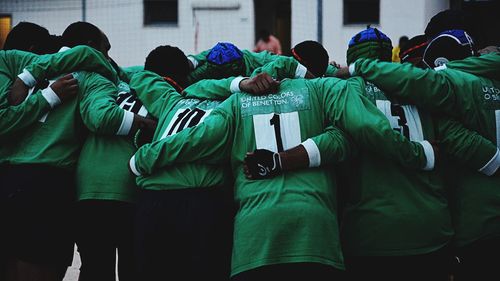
(473, 101)
(55, 138)
(278, 122)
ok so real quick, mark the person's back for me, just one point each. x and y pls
(471, 100)
(395, 219)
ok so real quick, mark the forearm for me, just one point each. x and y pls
(16, 118)
(75, 59)
(467, 147)
(486, 65)
(406, 83)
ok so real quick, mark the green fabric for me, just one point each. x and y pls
(281, 68)
(16, 118)
(74, 59)
(305, 200)
(486, 65)
(174, 113)
(390, 210)
(101, 172)
(471, 100)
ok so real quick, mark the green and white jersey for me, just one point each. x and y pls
(15, 118)
(390, 210)
(292, 217)
(472, 100)
(110, 180)
(55, 138)
(175, 113)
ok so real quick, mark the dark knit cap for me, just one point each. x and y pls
(369, 43)
(313, 56)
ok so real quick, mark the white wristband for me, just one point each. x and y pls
(429, 155)
(300, 71)
(132, 166)
(126, 125)
(352, 69)
(51, 97)
(27, 78)
(492, 166)
(312, 152)
(235, 84)
(193, 61)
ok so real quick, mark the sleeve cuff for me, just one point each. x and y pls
(193, 61)
(300, 71)
(128, 119)
(429, 155)
(133, 168)
(235, 84)
(441, 67)
(27, 78)
(492, 166)
(352, 69)
(51, 97)
(313, 153)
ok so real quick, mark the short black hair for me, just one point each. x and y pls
(29, 37)
(168, 61)
(312, 55)
(81, 33)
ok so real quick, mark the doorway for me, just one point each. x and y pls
(274, 16)
(5, 26)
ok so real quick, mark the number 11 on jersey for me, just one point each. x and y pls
(276, 132)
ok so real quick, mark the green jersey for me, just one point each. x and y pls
(55, 139)
(175, 113)
(471, 100)
(391, 211)
(15, 118)
(112, 180)
(292, 217)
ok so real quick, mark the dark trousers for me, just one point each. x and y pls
(105, 230)
(184, 234)
(479, 261)
(36, 210)
(292, 272)
(435, 266)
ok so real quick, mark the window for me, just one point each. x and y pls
(5, 25)
(161, 12)
(361, 11)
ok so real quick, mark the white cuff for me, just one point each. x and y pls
(441, 67)
(301, 71)
(51, 97)
(27, 78)
(352, 69)
(235, 84)
(193, 61)
(313, 153)
(492, 166)
(128, 119)
(429, 155)
(133, 168)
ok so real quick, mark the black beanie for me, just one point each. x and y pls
(413, 50)
(313, 56)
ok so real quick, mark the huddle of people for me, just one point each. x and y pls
(235, 165)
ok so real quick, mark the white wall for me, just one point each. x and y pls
(397, 18)
(304, 20)
(131, 41)
(122, 21)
